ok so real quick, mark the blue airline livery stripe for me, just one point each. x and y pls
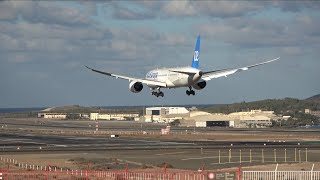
(196, 54)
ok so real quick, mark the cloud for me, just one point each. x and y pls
(44, 12)
(264, 32)
(127, 14)
(47, 12)
(179, 8)
(295, 5)
(139, 10)
(222, 9)
(48, 43)
(58, 38)
(6, 11)
(225, 9)
(19, 58)
(292, 50)
(218, 9)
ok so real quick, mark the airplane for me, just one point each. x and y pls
(190, 77)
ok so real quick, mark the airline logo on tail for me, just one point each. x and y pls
(196, 56)
(195, 60)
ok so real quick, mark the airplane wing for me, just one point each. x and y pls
(225, 72)
(144, 81)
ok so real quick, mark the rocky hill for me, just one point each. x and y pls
(315, 98)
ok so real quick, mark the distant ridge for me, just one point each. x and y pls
(48, 109)
(315, 98)
(72, 108)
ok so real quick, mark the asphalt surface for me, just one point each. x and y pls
(24, 141)
(185, 154)
(131, 126)
(179, 154)
(11, 142)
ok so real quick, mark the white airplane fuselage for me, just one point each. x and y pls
(175, 77)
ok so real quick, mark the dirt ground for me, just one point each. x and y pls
(154, 160)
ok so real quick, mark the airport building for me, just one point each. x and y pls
(52, 115)
(114, 116)
(165, 114)
(92, 116)
(48, 115)
(248, 119)
(253, 119)
(315, 113)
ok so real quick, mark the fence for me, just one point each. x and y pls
(260, 156)
(281, 175)
(32, 172)
(120, 175)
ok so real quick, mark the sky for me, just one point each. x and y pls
(44, 46)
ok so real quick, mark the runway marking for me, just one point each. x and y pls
(23, 141)
(14, 139)
(58, 145)
(208, 157)
(170, 153)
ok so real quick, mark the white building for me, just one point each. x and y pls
(114, 116)
(166, 110)
(165, 114)
(49, 115)
(55, 115)
(253, 118)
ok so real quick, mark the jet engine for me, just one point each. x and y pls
(135, 87)
(200, 85)
(196, 77)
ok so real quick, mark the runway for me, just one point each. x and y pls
(24, 137)
(9, 142)
(133, 126)
(179, 154)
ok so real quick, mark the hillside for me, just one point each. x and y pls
(315, 98)
(280, 106)
(73, 108)
(82, 109)
(288, 106)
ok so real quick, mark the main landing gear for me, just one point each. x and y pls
(157, 93)
(190, 92)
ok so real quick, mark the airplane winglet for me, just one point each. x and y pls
(88, 67)
(101, 72)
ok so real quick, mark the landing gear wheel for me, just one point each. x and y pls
(190, 92)
(157, 94)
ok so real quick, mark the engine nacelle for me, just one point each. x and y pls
(135, 87)
(199, 85)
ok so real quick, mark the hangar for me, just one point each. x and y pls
(248, 119)
(209, 123)
(165, 114)
(253, 118)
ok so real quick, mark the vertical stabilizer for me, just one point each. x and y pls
(196, 54)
